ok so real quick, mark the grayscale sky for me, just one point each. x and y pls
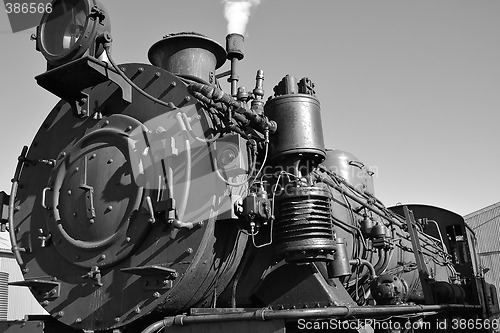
(410, 87)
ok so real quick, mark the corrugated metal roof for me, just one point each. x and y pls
(4, 295)
(486, 225)
(493, 275)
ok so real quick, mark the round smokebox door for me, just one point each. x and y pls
(95, 220)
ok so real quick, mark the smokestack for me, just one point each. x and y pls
(188, 54)
(234, 49)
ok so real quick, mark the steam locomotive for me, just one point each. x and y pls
(151, 199)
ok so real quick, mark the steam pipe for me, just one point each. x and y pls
(387, 258)
(375, 209)
(382, 257)
(219, 106)
(234, 78)
(378, 205)
(259, 122)
(187, 184)
(364, 262)
(13, 192)
(340, 312)
(422, 236)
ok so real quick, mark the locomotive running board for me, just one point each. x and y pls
(419, 258)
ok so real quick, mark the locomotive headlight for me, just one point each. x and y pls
(70, 31)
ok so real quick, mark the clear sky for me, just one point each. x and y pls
(410, 87)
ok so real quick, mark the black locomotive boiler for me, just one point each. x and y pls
(151, 199)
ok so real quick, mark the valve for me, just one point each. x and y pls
(255, 207)
(45, 239)
(94, 274)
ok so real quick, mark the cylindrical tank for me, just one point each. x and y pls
(125, 223)
(346, 221)
(350, 168)
(188, 54)
(300, 130)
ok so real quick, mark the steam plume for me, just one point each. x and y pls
(237, 14)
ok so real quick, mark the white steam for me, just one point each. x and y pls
(237, 14)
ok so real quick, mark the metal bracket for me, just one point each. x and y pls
(154, 277)
(81, 107)
(43, 289)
